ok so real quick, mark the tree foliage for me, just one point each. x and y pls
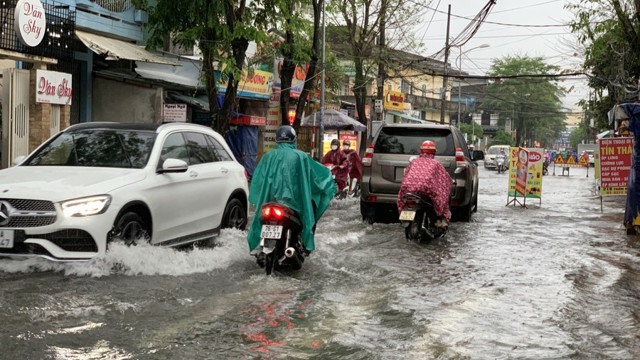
(222, 29)
(366, 22)
(610, 32)
(532, 103)
(472, 130)
(502, 138)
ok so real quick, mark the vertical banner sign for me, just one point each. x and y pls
(30, 22)
(615, 164)
(534, 172)
(273, 119)
(522, 165)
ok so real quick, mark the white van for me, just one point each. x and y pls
(490, 156)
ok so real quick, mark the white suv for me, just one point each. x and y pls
(93, 183)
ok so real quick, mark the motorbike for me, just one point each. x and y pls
(341, 193)
(280, 239)
(418, 218)
(501, 163)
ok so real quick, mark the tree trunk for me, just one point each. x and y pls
(211, 83)
(360, 93)
(310, 78)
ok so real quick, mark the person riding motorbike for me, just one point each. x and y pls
(292, 178)
(427, 177)
(338, 159)
(502, 154)
(355, 163)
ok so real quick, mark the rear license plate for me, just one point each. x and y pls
(407, 215)
(399, 173)
(6, 239)
(271, 231)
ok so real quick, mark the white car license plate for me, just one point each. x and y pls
(407, 215)
(271, 231)
(6, 239)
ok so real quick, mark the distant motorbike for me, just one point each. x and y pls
(280, 239)
(419, 219)
(501, 163)
(341, 193)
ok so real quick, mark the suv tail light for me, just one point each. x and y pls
(368, 156)
(460, 158)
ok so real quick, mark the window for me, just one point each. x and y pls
(407, 141)
(424, 90)
(174, 147)
(219, 150)
(199, 150)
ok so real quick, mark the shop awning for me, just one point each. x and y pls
(118, 49)
(201, 104)
(408, 117)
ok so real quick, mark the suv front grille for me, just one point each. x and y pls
(27, 213)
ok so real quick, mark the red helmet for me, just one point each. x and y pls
(428, 147)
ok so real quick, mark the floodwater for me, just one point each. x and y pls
(556, 280)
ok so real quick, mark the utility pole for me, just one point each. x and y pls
(445, 77)
(381, 65)
(322, 78)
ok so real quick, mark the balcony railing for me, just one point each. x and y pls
(114, 5)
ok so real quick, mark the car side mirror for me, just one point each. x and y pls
(173, 166)
(477, 155)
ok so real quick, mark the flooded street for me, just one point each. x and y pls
(554, 281)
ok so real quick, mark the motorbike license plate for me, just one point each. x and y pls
(271, 231)
(6, 239)
(407, 215)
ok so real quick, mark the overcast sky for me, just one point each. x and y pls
(537, 28)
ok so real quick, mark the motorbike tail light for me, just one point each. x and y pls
(368, 156)
(372, 198)
(272, 213)
(460, 158)
(410, 202)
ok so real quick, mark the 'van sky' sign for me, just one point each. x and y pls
(53, 87)
(30, 22)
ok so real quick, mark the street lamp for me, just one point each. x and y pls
(459, 61)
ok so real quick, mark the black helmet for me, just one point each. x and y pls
(335, 142)
(285, 133)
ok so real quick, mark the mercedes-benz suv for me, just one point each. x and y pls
(387, 157)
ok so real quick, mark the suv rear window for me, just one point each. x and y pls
(407, 141)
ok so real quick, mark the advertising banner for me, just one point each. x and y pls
(255, 84)
(615, 164)
(297, 83)
(535, 160)
(522, 164)
(273, 119)
(393, 100)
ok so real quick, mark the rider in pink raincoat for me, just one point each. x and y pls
(426, 176)
(339, 159)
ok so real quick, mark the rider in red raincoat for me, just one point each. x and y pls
(355, 163)
(337, 158)
(426, 176)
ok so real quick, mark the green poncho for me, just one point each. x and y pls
(292, 178)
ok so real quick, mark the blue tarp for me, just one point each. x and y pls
(632, 209)
(243, 141)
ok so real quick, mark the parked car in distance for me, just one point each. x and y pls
(592, 161)
(95, 183)
(393, 148)
(490, 156)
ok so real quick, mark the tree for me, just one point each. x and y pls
(471, 130)
(221, 29)
(502, 138)
(579, 135)
(363, 21)
(529, 99)
(610, 31)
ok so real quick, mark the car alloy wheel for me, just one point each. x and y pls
(235, 215)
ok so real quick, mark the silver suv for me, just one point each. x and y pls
(394, 146)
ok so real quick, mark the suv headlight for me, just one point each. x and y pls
(88, 206)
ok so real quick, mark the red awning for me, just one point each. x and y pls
(242, 119)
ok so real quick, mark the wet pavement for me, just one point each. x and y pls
(557, 280)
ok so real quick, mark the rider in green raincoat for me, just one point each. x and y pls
(292, 178)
